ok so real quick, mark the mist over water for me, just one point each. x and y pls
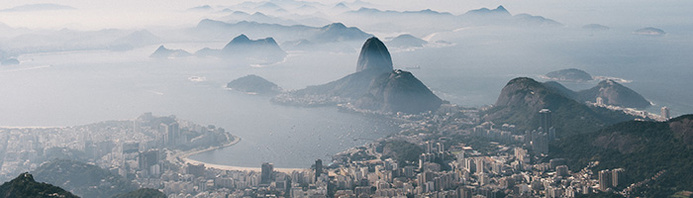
(473, 71)
(82, 87)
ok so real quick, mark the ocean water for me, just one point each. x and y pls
(474, 70)
(74, 88)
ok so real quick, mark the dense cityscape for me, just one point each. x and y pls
(443, 154)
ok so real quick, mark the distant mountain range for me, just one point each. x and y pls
(339, 32)
(330, 33)
(428, 21)
(522, 98)
(163, 52)
(38, 7)
(421, 22)
(200, 8)
(243, 48)
(353, 12)
(135, 39)
(286, 12)
(260, 24)
(643, 149)
(70, 40)
(500, 11)
(266, 49)
(258, 17)
(364, 10)
(374, 86)
(501, 16)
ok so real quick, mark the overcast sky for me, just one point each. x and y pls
(92, 14)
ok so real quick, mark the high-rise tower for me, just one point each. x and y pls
(665, 113)
(545, 120)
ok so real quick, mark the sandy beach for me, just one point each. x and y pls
(185, 160)
(239, 168)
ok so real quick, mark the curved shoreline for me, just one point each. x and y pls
(183, 157)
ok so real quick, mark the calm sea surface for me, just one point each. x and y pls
(75, 88)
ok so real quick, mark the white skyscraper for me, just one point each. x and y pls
(665, 113)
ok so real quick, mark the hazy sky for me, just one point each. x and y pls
(92, 14)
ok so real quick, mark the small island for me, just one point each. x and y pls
(570, 75)
(595, 27)
(650, 31)
(406, 41)
(254, 84)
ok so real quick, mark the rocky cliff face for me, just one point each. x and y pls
(399, 91)
(374, 57)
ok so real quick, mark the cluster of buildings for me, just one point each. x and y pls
(610, 178)
(445, 168)
(665, 112)
(137, 149)
(147, 151)
(537, 140)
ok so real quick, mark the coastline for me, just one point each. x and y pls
(183, 157)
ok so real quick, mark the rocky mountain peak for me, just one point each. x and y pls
(241, 39)
(374, 57)
(613, 93)
(399, 91)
